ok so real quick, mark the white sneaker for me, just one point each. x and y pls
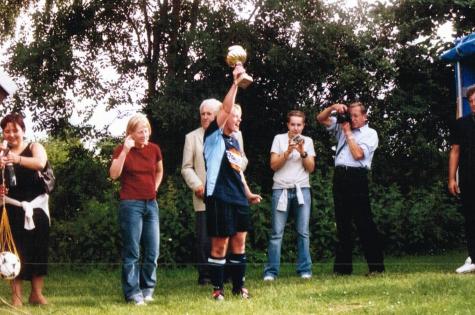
(269, 278)
(148, 298)
(466, 267)
(140, 303)
(306, 275)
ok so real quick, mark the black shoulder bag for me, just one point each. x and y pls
(46, 177)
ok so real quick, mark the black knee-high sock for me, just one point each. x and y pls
(237, 263)
(216, 268)
(227, 271)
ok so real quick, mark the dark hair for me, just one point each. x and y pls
(297, 113)
(13, 118)
(470, 91)
(360, 105)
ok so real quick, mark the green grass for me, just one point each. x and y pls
(411, 285)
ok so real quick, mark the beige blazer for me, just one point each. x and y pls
(193, 166)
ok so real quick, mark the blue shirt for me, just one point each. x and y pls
(223, 159)
(366, 138)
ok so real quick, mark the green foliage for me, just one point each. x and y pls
(424, 220)
(92, 237)
(9, 11)
(176, 222)
(302, 55)
(322, 220)
(85, 225)
(256, 247)
(80, 177)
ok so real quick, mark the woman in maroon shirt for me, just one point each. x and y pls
(138, 164)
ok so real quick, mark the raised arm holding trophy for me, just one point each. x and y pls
(237, 56)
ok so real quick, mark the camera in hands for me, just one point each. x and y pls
(343, 117)
(297, 139)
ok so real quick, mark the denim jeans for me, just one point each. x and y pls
(139, 226)
(279, 218)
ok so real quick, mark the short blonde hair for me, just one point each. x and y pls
(135, 121)
(238, 108)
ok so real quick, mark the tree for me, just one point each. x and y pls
(9, 11)
(414, 117)
(302, 55)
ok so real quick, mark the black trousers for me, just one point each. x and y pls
(202, 245)
(352, 205)
(468, 211)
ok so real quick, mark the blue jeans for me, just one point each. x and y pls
(139, 226)
(279, 218)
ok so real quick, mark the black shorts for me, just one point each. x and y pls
(225, 219)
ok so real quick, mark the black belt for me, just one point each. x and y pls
(354, 169)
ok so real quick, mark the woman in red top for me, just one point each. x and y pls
(138, 165)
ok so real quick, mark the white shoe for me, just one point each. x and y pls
(466, 267)
(148, 298)
(269, 278)
(306, 275)
(140, 303)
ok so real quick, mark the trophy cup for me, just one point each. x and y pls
(237, 56)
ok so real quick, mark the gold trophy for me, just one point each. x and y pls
(237, 56)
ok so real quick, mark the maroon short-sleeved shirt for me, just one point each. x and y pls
(138, 176)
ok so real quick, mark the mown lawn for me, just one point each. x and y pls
(411, 285)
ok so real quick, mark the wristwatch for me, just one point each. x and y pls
(303, 155)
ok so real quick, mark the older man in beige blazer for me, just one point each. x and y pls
(194, 173)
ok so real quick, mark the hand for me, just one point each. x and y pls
(3, 191)
(3, 146)
(300, 147)
(292, 146)
(454, 187)
(129, 143)
(254, 198)
(340, 108)
(13, 158)
(200, 192)
(238, 70)
(10, 158)
(346, 128)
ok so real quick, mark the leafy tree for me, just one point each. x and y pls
(414, 115)
(9, 11)
(302, 54)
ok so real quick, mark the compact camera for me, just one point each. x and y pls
(341, 118)
(297, 139)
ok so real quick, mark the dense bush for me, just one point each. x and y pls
(92, 237)
(424, 220)
(177, 223)
(85, 227)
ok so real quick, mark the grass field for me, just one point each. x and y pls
(411, 285)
